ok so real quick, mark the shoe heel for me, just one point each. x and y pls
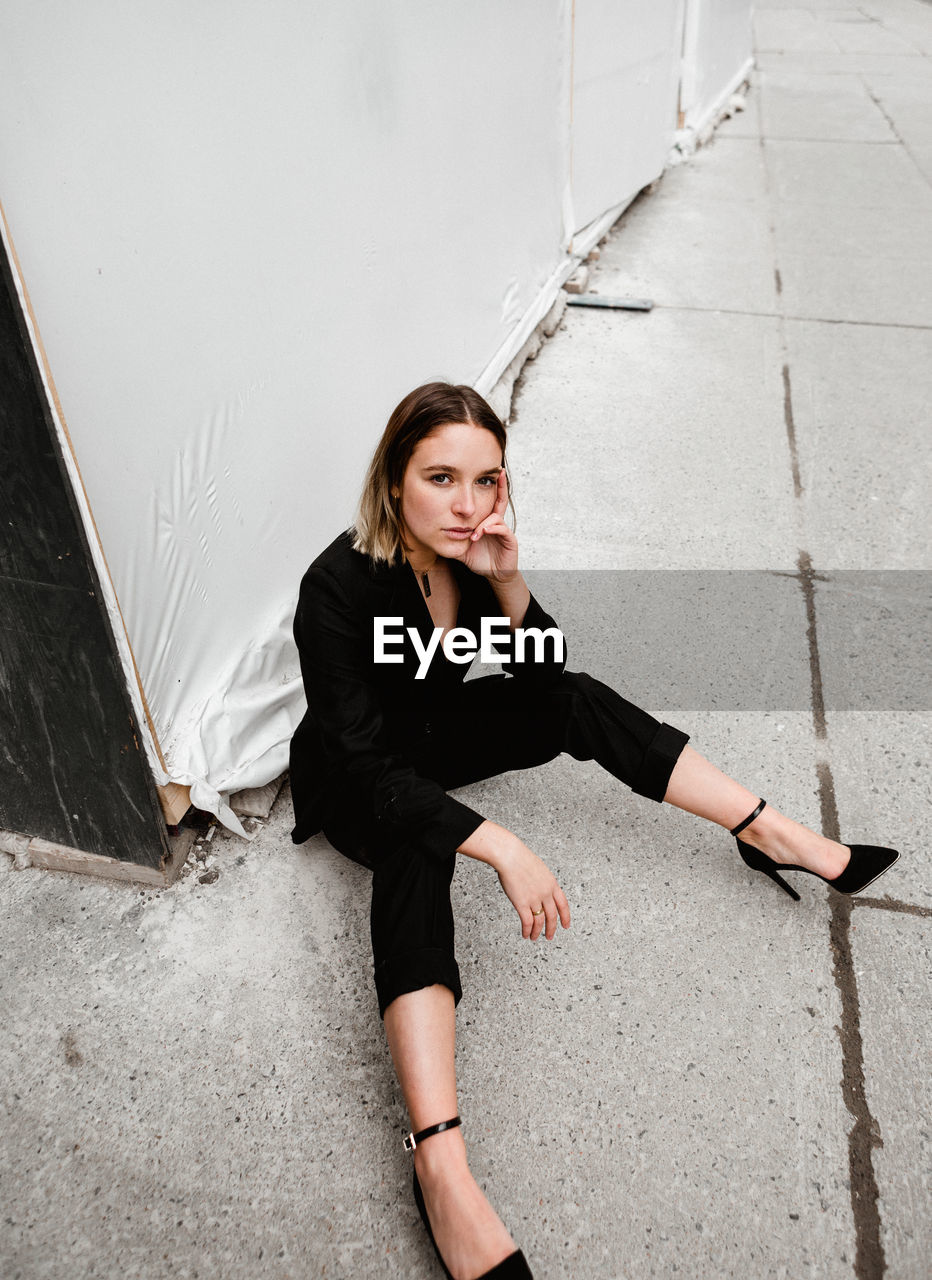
(758, 861)
(778, 879)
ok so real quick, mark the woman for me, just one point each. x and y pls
(391, 728)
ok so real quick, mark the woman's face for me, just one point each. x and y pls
(448, 488)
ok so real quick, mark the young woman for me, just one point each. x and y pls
(391, 727)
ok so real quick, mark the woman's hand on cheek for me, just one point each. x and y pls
(492, 551)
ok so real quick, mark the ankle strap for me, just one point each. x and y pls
(413, 1139)
(736, 831)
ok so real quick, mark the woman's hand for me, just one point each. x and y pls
(529, 883)
(492, 551)
(534, 893)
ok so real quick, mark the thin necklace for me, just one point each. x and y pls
(424, 576)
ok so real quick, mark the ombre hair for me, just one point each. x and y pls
(378, 531)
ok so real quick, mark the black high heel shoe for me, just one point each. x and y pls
(514, 1267)
(866, 863)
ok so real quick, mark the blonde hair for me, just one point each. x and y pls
(378, 530)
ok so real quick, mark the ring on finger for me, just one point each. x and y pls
(538, 912)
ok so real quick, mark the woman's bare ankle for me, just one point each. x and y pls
(786, 841)
(469, 1233)
(442, 1155)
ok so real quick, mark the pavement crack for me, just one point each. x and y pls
(893, 904)
(780, 315)
(791, 431)
(807, 580)
(864, 1136)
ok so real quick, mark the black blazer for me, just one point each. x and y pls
(365, 719)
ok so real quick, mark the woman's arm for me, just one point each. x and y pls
(513, 598)
(527, 880)
(333, 631)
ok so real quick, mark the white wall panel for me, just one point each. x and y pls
(716, 56)
(626, 65)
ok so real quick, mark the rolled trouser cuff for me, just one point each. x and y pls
(660, 758)
(413, 970)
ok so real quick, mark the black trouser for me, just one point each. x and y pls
(487, 727)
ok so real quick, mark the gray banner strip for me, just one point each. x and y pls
(736, 640)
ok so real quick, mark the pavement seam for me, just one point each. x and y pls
(893, 904)
(900, 140)
(864, 1135)
(782, 315)
(791, 432)
(841, 142)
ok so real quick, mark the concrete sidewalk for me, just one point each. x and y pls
(701, 1077)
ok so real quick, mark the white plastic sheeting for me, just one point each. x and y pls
(716, 58)
(246, 230)
(625, 81)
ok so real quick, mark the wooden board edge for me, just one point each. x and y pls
(180, 846)
(49, 856)
(175, 801)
